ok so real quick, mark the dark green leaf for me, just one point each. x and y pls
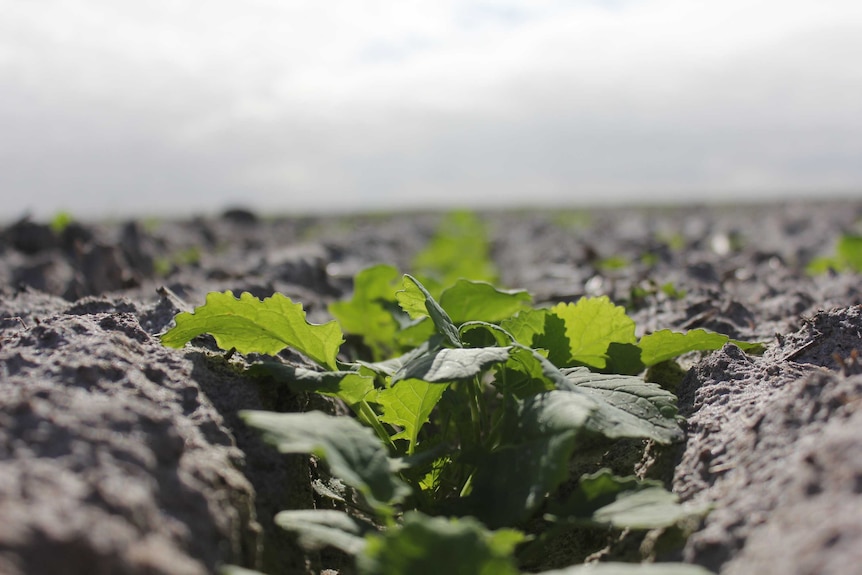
(623, 502)
(522, 375)
(348, 386)
(539, 440)
(447, 365)
(649, 508)
(354, 454)
(433, 545)
(631, 569)
(628, 406)
(318, 528)
(594, 491)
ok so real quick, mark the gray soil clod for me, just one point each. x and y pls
(122, 456)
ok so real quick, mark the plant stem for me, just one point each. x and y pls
(369, 417)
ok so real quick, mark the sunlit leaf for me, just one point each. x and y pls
(591, 325)
(408, 404)
(254, 326)
(666, 344)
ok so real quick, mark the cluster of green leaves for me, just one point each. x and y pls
(459, 249)
(470, 408)
(60, 222)
(469, 405)
(847, 257)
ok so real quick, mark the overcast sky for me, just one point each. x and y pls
(116, 108)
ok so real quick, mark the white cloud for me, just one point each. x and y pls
(339, 101)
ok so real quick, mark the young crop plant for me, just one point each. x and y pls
(847, 257)
(467, 414)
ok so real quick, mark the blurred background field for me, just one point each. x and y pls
(176, 107)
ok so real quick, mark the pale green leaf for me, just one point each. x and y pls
(254, 326)
(666, 344)
(591, 325)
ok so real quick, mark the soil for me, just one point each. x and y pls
(122, 456)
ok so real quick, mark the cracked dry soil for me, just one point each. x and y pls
(118, 455)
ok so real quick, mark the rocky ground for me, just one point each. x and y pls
(122, 456)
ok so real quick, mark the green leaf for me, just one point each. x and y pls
(594, 491)
(848, 257)
(446, 365)
(236, 570)
(622, 502)
(484, 334)
(481, 301)
(591, 325)
(630, 569)
(365, 314)
(319, 528)
(628, 406)
(666, 344)
(411, 298)
(522, 375)
(539, 439)
(649, 508)
(254, 326)
(526, 325)
(459, 249)
(409, 405)
(849, 250)
(413, 295)
(426, 545)
(354, 454)
(349, 386)
(390, 367)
